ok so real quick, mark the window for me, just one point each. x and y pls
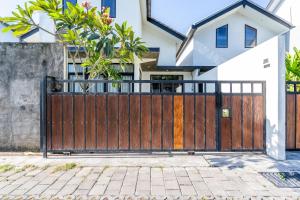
(65, 3)
(250, 37)
(222, 37)
(110, 4)
(127, 74)
(166, 87)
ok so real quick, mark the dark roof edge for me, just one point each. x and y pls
(29, 33)
(224, 11)
(161, 25)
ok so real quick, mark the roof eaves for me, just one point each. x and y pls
(29, 33)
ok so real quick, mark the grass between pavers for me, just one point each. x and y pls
(6, 168)
(65, 167)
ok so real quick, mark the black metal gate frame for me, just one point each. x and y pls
(49, 85)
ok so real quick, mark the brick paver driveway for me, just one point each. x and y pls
(143, 177)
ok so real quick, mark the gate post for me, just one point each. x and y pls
(218, 114)
(43, 116)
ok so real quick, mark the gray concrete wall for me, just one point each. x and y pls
(22, 67)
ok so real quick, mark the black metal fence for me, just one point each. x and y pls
(147, 115)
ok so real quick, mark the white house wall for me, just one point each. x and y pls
(205, 51)
(249, 66)
(154, 38)
(7, 37)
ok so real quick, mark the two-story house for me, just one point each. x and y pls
(242, 42)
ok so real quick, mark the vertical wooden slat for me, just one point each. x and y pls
(178, 122)
(200, 123)
(258, 122)
(211, 123)
(156, 121)
(236, 123)
(226, 126)
(112, 122)
(68, 122)
(90, 122)
(291, 121)
(79, 122)
(146, 122)
(167, 123)
(101, 122)
(189, 111)
(297, 138)
(135, 122)
(123, 122)
(49, 129)
(56, 122)
(247, 122)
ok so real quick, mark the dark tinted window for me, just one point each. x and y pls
(112, 5)
(222, 37)
(71, 1)
(250, 37)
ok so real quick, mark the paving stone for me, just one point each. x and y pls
(187, 190)
(67, 190)
(143, 186)
(76, 180)
(103, 180)
(34, 172)
(48, 181)
(37, 190)
(50, 192)
(4, 183)
(158, 190)
(114, 186)
(173, 193)
(180, 172)
(58, 185)
(171, 185)
(86, 184)
(127, 190)
(97, 190)
(157, 181)
(84, 171)
(8, 189)
(79, 192)
(28, 185)
(184, 181)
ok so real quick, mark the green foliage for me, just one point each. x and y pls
(83, 27)
(65, 167)
(292, 63)
(6, 168)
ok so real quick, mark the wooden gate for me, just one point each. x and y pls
(129, 116)
(293, 116)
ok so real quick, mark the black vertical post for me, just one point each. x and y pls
(218, 114)
(43, 116)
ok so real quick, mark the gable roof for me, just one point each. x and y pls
(243, 3)
(161, 25)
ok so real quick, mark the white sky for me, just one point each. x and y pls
(181, 14)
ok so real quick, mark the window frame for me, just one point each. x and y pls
(227, 38)
(115, 10)
(245, 41)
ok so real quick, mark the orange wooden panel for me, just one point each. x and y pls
(247, 122)
(211, 123)
(68, 122)
(167, 123)
(258, 122)
(124, 121)
(79, 122)
(135, 112)
(156, 121)
(200, 123)
(146, 122)
(189, 124)
(90, 122)
(112, 115)
(178, 122)
(101, 122)
(56, 122)
(298, 123)
(226, 126)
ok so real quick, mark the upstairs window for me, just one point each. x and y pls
(250, 37)
(111, 4)
(222, 37)
(74, 2)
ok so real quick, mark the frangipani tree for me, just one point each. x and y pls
(97, 40)
(292, 62)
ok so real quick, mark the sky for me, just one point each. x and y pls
(180, 16)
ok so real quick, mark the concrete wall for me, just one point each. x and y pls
(22, 66)
(250, 66)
